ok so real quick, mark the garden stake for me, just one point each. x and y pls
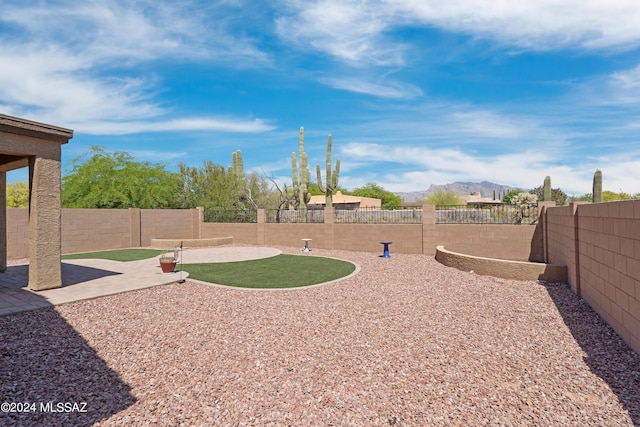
(181, 279)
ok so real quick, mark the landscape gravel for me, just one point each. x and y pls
(406, 341)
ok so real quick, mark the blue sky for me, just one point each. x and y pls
(414, 92)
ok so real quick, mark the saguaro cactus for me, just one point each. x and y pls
(237, 166)
(597, 186)
(546, 192)
(332, 177)
(300, 178)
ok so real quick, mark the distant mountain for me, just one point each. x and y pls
(485, 189)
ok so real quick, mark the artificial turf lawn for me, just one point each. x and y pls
(281, 271)
(123, 255)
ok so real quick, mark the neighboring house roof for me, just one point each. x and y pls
(477, 198)
(344, 199)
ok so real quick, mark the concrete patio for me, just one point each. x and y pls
(91, 278)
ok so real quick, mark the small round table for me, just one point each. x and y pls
(385, 251)
(306, 245)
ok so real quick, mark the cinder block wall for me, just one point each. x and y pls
(406, 238)
(17, 233)
(560, 236)
(607, 261)
(292, 234)
(512, 242)
(166, 224)
(245, 234)
(86, 230)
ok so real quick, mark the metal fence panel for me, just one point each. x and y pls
(286, 216)
(231, 215)
(489, 214)
(378, 216)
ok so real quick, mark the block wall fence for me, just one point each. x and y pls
(86, 230)
(599, 243)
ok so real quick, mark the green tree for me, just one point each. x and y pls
(557, 195)
(258, 192)
(211, 186)
(510, 195)
(607, 196)
(115, 180)
(444, 198)
(18, 195)
(587, 197)
(314, 190)
(610, 196)
(389, 200)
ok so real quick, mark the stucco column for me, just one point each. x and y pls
(45, 270)
(3, 221)
(429, 230)
(260, 226)
(329, 220)
(135, 228)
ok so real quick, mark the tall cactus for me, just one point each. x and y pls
(300, 178)
(332, 177)
(546, 192)
(237, 166)
(597, 186)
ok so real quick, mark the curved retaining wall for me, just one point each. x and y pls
(505, 269)
(190, 243)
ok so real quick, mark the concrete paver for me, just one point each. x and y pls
(91, 278)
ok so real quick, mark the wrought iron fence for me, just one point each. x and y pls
(231, 215)
(489, 214)
(525, 214)
(378, 216)
(287, 216)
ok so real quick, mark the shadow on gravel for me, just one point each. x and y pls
(17, 276)
(50, 376)
(608, 356)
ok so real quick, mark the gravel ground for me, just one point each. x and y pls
(404, 342)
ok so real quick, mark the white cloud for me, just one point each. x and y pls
(525, 169)
(348, 30)
(622, 87)
(540, 24)
(357, 31)
(157, 156)
(72, 63)
(628, 79)
(387, 89)
(173, 125)
(137, 31)
(52, 85)
(488, 124)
